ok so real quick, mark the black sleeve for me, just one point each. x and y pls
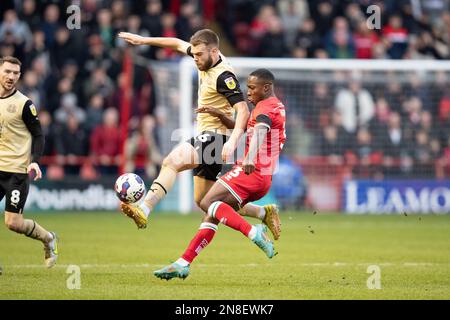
(264, 118)
(228, 85)
(188, 52)
(31, 120)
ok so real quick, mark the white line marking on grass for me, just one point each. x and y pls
(215, 265)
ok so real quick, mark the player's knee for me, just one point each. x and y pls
(198, 202)
(198, 198)
(204, 204)
(13, 225)
(212, 207)
(171, 162)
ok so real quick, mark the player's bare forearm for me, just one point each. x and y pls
(239, 127)
(163, 42)
(256, 142)
(242, 114)
(226, 120)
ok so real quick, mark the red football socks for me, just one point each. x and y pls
(203, 237)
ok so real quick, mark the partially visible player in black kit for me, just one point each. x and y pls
(21, 145)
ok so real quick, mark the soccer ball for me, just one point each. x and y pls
(130, 188)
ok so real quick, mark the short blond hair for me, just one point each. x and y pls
(205, 36)
(10, 59)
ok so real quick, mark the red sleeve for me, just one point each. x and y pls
(263, 115)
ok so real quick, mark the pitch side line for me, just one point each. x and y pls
(214, 265)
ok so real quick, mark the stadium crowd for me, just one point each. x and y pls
(75, 77)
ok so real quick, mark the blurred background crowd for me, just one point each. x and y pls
(75, 77)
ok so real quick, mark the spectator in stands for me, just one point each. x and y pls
(38, 49)
(307, 38)
(367, 154)
(395, 37)
(339, 41)
(48, 131)
(364, 39)
(19, 30)
(416, 87)
(292, 14)
(98, 57)
(446, 157)
(396, 147)
(379, 123)
(427, 47)
(428, 125)
(71, 143)
(168, 21)
(423, 155)
(444, 107)
(104, 27)
(437, 90)
(323, 17)
(142, 154)
(334, 140)
(50, 24)
(98, 82)
(134, 25)
(63, 48)
(30, 88)
(413, 110)
(105, 143)
(152, 18)
(318, 110)
(272, 42)
(355, 104)
(354, 15)
(394, 93)
(182, 25)
(119, 12)
(94, 113)
(29, 14)
(68, 109)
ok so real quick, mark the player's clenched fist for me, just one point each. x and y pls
(248, 166)
(131, 38)
(228, 149)
(37, 171)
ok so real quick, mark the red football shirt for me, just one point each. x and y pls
(270, 113)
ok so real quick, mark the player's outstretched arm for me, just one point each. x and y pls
(173, 43)
(255, 144)
(242, 114)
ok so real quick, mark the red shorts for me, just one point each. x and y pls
(246, 188)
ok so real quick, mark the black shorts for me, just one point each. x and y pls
(15, 187)
(209, 148)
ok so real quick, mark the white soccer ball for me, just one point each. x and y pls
(130, 188)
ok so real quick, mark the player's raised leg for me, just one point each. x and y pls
(183, 157)
(220, 205)
(203, 237)
(30, 228)
(268, 214)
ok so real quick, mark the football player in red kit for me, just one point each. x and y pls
(249, 180)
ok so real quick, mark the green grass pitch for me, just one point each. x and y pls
(320, 257)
